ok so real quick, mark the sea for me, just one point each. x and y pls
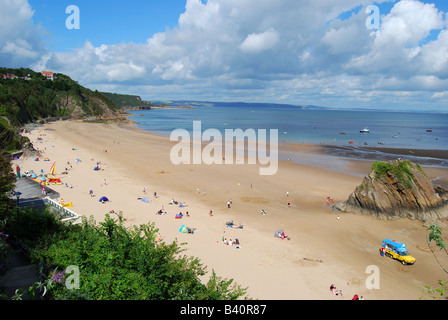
(318, 126)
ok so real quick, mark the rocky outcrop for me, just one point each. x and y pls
(88, 106)
(397, 189)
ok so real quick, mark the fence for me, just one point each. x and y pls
(66, 213)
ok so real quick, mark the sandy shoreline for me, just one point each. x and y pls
(323, 250)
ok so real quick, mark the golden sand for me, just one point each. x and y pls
(324, 247)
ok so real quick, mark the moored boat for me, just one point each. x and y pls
(365, 130)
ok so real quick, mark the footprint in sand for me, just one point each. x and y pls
(423, 248)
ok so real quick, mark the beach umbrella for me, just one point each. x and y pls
(53, 169)
(103, 199)
(145, 199)
(42, 178)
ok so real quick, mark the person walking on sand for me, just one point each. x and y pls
(228, 204)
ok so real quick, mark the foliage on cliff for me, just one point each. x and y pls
(30, 97)
(126, 101)
(27, 96)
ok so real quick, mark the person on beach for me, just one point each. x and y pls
(289, 204)
(228, 204)
(211, 213)
(263, 212)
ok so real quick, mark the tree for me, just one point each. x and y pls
(7, 184)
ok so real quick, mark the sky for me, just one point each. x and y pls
(326, 53)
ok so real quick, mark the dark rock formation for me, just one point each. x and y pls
(397, 189)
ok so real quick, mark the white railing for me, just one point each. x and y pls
(69, 215)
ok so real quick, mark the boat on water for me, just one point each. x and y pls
(365, 130)
(429, 130)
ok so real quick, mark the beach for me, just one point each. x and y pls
(323, 247)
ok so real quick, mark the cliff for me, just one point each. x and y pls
(27, 96)
(397, 189)
(128, 102)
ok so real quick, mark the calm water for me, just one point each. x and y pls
(387, 129)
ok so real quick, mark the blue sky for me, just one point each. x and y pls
(284, 51)
(105, 21)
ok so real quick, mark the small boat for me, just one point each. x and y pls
(429, 130)
(365, 130)
(341, 132)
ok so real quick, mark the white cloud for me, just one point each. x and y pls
(293, 51)
(258, 42)
(20, 39)
(408, 23)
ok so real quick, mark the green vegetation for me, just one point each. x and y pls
(436, 235)
(440, 292)
(10, 141)
(25, 100)
(125, 100)
(30, 97)
(399, 169)
(7, 184)
(114, 262)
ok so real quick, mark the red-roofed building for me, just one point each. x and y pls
(48, 74)
(9, 76)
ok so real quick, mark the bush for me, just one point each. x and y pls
(117, 263)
